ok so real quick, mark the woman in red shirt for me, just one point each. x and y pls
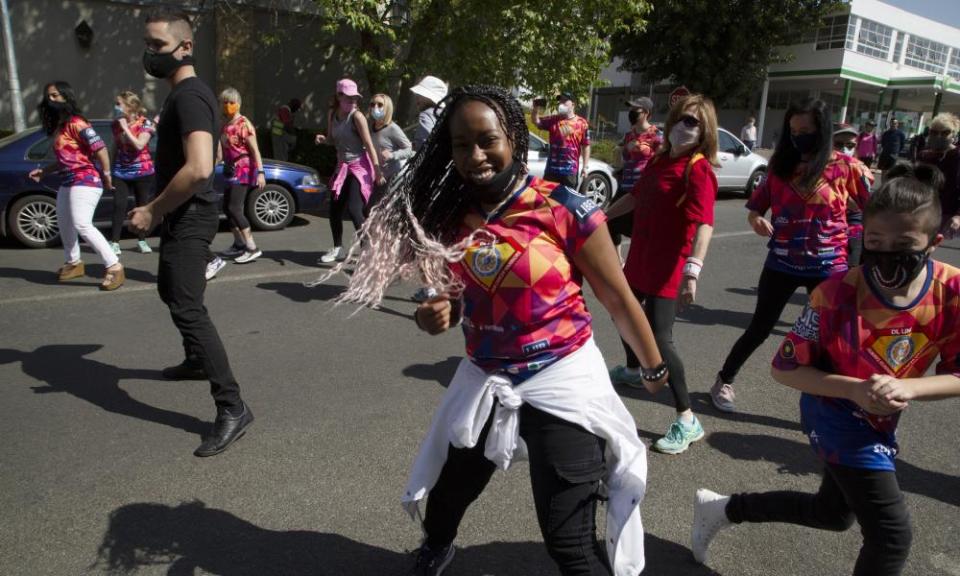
(672, 225)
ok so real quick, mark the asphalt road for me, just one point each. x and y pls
(97, 475)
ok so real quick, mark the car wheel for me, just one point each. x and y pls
(271, 208)
(33, 221)
(597, 188)
(755, 179)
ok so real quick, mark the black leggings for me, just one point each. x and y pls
(661, 312)
(121, 194)
(773, 293)
(566, 464)
(234, 200)
(351, 199)
(872, 497)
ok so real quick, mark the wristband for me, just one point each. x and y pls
(692, 267)
(416, 319)
(654, 374)
(261, 171)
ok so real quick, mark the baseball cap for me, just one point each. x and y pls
(844, 129)
(431, 88)
(642, 102)
(347, 87)
(564, 96)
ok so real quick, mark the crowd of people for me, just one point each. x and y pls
(503, 254)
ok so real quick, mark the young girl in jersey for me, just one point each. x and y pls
(507, 254)
(133, 164)
(807, 192)
(243, 167)
(75, 145)
(858, 353)
(672, 226)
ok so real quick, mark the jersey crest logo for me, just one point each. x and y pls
(489, 263)
(897, 349)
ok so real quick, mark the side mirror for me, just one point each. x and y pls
(542, 153)
(742, 150)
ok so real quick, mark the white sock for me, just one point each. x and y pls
(687, 418)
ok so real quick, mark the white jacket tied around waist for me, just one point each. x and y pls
(576, 389)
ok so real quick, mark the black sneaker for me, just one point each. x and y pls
(233, 251)
(227, 429)
(184, 371)
(432, 563)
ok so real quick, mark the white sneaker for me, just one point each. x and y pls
(709, 517)
(214, 266)
(144, 247)
(248, 256)
(115, 247)
(723, 396)
(331, 255)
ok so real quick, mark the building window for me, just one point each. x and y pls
(898, 47)
(781, 99)
(834, 32)
(926, 54)
(874, 39)
(953, 70)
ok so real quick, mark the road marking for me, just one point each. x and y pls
(733, 234)
(92, 292)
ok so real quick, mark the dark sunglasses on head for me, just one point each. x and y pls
(689, 121)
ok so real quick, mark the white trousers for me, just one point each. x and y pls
(75, 207)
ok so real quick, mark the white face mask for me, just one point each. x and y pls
(563, 109)
(681, 136)
(378, 114)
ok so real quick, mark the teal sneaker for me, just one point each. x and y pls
(619, 375)
(679, 437)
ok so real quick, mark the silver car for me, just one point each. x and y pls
(600, 183)
(740, 169)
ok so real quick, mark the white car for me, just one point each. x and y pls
(740, 169)
(600, 183)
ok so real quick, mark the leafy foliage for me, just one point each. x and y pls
(721, 49)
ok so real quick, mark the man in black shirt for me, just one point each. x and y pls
(186, 140)
(891, 143)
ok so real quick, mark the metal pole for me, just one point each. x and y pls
(936, 103)
(846, 100)
(19, 118)
(762, 115)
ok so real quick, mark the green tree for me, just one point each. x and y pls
(540, 46)
(721, 49)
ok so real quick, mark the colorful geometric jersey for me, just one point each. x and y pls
(855, 206)
(236, 153)
(810, 226)
(131, 163)
(523, 305)
(850, 328)
(74, 145)
(567, 137)
(635, 159)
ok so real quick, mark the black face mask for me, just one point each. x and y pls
(51, 112)
(804, 143)
(495, 189)
(892, 270)
(163, 64)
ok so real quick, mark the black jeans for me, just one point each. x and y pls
(773, 293)
(184, 246)
(351, 200)
(872, 497)
(142, 189)
(568, 180)
(661, 312)
(566, 464)
(234, 201)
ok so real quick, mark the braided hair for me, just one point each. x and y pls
(411, 233)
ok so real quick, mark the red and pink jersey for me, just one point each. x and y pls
(131, 163)
(849, 328)
(855, 206)
(74, 146)
(523, 305)
(810, 226)
(236, 153)
(638, 149)
(567, 137)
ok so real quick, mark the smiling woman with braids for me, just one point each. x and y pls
(507, 254)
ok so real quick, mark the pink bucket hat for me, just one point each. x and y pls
(347, 87)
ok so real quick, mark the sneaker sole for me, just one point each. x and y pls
(723, 408)
(248, 260)
(684, 449)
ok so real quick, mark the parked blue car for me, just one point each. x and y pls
(28, 210)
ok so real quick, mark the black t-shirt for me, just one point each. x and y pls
(190, 107)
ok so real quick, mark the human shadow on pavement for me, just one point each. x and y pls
(297, 292)
(441, 372)
(92, 277)
(700, 316)
(797, 458)
(666, 557)
(64, 368)
(191, 536)
(799, 297)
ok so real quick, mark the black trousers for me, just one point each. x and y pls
(661, 313)
(351, 201)
(872, 497)
(566, 464)
(142, 189)
(773, 293)
(568, 180)
(184, 246)
(234, 201)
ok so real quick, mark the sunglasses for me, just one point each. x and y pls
(376, 104)
(689, 121)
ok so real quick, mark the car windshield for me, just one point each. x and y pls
(14, 137)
